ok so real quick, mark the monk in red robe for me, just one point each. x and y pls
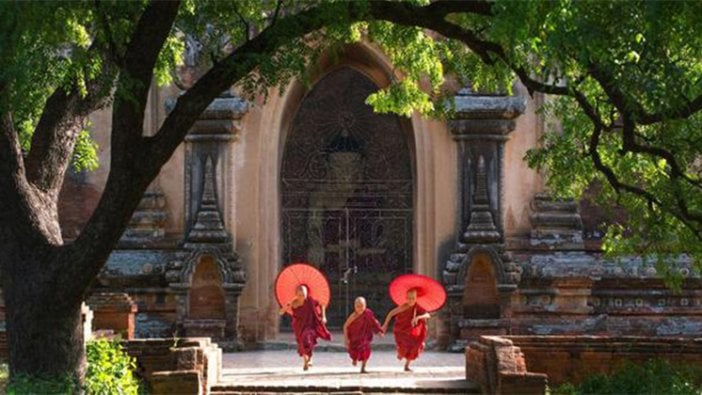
(358, 332)
(410, 328)
(309, 323)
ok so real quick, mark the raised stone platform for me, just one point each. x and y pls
(525, 364)
(575, 358)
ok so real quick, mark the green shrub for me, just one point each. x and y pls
(30, 385)
(4, 375)
(653, 377)
(109, 369)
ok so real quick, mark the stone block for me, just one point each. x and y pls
(113, 311)
(188, 358)
(176, 382)
(156, 356)
(522, 384)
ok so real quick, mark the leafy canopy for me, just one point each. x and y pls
(623, 80)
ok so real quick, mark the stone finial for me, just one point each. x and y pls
(481, 226)
(208, 226)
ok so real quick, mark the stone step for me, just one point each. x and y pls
(450, 387)
(276, 372)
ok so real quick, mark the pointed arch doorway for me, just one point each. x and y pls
(347, 192)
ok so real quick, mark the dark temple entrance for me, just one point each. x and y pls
(347, 193)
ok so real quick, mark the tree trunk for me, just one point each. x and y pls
(44, 329)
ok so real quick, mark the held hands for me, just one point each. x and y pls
(285, 309)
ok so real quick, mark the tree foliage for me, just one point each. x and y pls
(624, 77)
(625, 80)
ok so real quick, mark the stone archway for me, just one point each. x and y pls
(206, 300)
(347, 192)
(432, 151)
(481, 299)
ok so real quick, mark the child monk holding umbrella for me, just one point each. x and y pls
(307, 306)
(415, 296)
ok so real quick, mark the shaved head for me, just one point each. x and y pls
(359, 305)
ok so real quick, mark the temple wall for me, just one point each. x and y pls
(250, 200)
(578, 293)
(521, 182)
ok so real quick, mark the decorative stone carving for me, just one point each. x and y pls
(148, 223)
(207, 241)
(556, 224)
(481, 228)
(480, 126)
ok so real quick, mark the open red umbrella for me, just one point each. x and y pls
(297, 274)
(431, 295)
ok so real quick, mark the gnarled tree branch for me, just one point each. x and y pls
(128, 176)
(57, 132)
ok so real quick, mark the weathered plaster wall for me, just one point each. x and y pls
(521, 182)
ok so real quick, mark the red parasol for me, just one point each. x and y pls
(298, 274)
(431, 295)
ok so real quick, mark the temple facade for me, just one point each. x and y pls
(312, 174)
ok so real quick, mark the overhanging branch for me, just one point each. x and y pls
(128, 177)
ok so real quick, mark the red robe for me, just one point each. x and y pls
(360, 334)
(410, 340)
(308, 326)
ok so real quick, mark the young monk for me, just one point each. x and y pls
(308, 322)
(410, 328)
(358, 332)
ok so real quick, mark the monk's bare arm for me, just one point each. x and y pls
(287, 308)
(391, 314)
(416, 319)
(324, 314)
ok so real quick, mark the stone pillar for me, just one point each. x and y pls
(480, 126)
(113, 311)
(206, 236)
